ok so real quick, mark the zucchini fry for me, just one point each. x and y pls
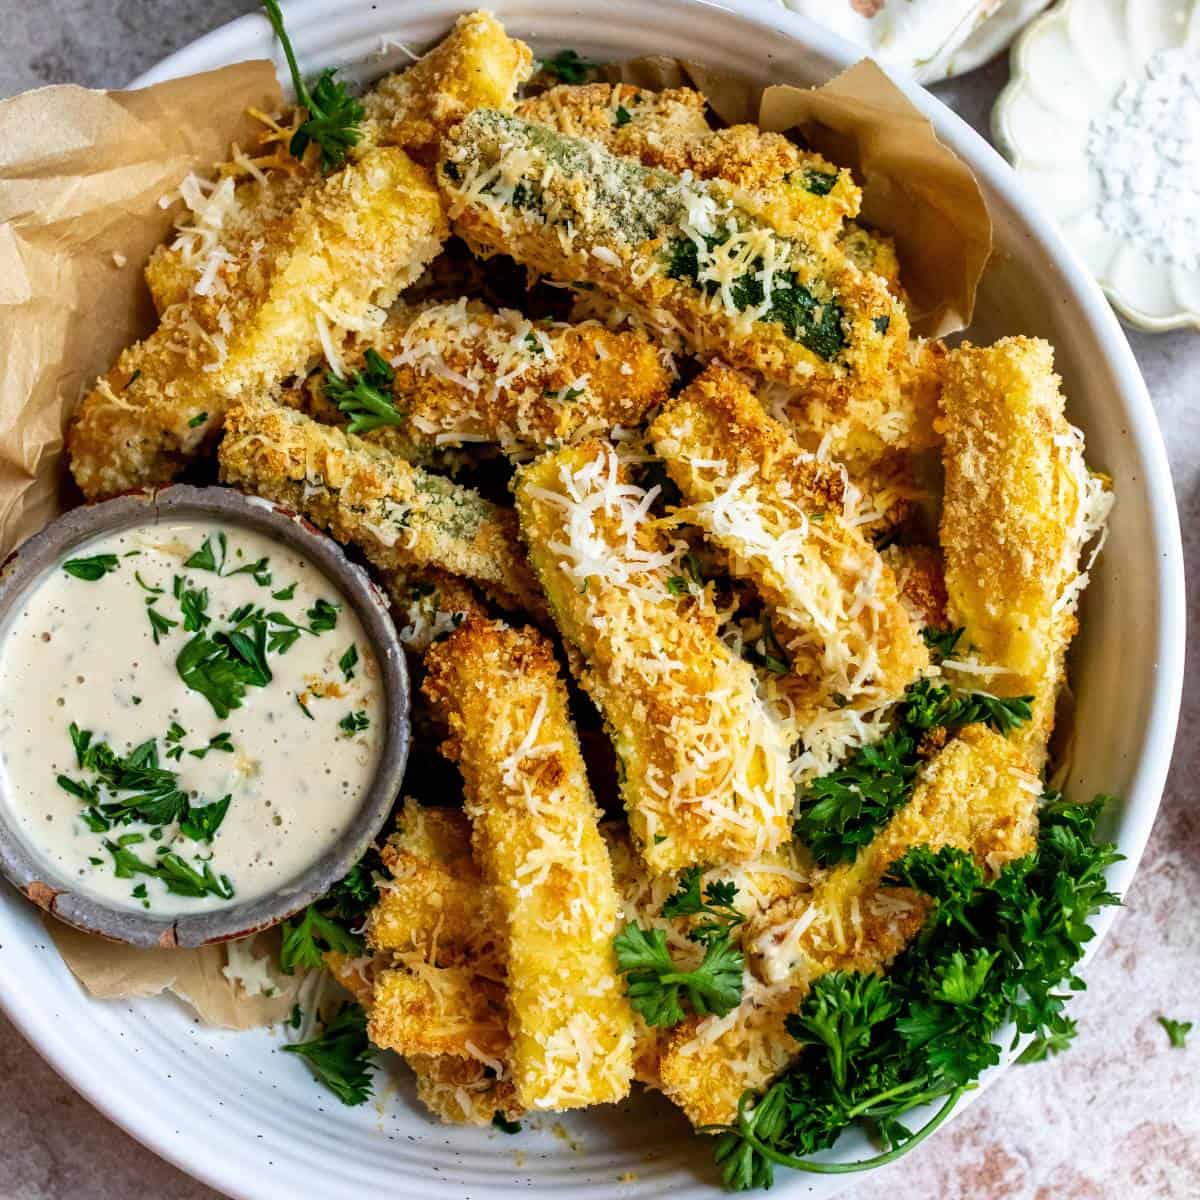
(398, 515)
(464, 373)
(705, 776)
(697, 265)
(256, 317)
(782, 874)
(976, 794)
(429, 604)
(476, 66)
(1020, 508)
(836, 613)
(798, 193)
(435, 989)
(537, 839)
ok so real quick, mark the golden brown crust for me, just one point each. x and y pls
(399, 515)
(477, 66)
(535, 830)
(1014, 520)
(704, 775)
(977, 794)
(350, 243)
(771, 175)
(467, 374)
(778, 513)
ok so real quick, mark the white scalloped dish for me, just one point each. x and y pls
(1067, 69)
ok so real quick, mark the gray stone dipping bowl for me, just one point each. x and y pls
(30, 563)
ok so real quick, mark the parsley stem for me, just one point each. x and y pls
(275, 16)
(745, 1128)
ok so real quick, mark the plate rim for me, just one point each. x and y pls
(1149, 778)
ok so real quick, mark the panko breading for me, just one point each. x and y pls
(777, 512)
(683, 252)
(535, 831)
(977, 794)
(1020, 507)
(463, 1091)
(704, 767)
(921, 579)
(476, 66)
(874, 253)
(436, 903)
(428, 604)
(451, 1011)
(465, 373)
(398, 515)
(797, 192)
(434, 989)
(324, 264)
(221, 217)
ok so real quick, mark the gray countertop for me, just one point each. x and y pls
(1116, 1118)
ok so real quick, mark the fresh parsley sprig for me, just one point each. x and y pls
(333, 116)
(989, 954)
(341, 1057)
(841, 811)
(366, 396)
(656, 987)
(329, 923)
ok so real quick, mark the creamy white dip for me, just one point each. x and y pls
(294, 757)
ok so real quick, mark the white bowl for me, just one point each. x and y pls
(247, 1120)
(1067, 69)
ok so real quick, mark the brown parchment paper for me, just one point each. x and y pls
(113, 972)
(81, 174)
(914, 187)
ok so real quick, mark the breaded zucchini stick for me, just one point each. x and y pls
(976, 794)
(1020, 507)
(349, 245)
(795, 191)
(782, 874)
(398, 515)
(697, 265)
(704, 768)
(437, 978)
(836, 613)
(429, 604)
(476, 66)
(465, 373)
(535, 830)
(921, 578)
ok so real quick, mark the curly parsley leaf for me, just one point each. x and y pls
(655, 985)
(1176, 1031)
(341, 1057)
(366, 397)
(840, 812)
(333, 116)
(568, 67)
(989, 953)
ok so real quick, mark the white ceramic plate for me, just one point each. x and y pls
(240, 1116)
(1067, 68)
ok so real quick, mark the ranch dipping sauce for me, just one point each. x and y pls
(190, 714)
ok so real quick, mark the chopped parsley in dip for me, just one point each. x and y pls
(189, 716)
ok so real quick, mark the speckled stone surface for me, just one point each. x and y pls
(1117, 1118)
